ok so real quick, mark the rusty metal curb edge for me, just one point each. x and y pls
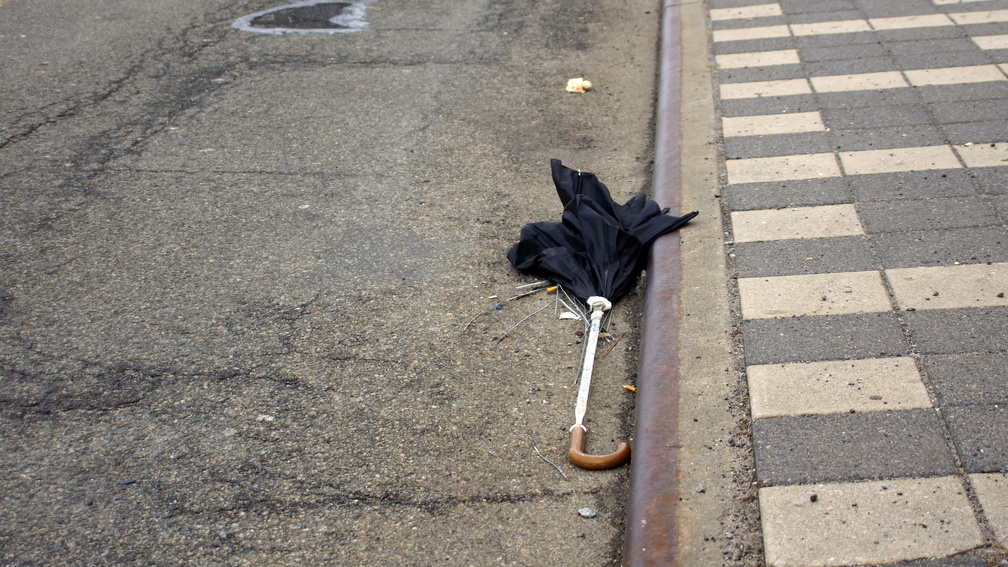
(651, 527)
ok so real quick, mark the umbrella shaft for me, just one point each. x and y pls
(589, 364)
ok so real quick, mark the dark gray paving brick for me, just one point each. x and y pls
(927, 214)
(858, 99)
(942, 247)
(954, 331)
(846, 447)
(876, 117)
(968, 379)
(777, 145)
(980, 434)
(817, 41)
(809, 6)
(885, 8)
(938, 60)
(962, 93)
(771, 73)
(780, 194)
(753, 45)
(967, 111)
(889, 137)
(888, 36)
(849, 66)
(825, 337)
(977, 132)
(743, 23)
(803, 256)
(846, 51)
(815, 17)
(769, 105)
(992, 180)
(1001, 204)
(911, 185)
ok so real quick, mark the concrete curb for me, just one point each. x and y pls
(652, 532)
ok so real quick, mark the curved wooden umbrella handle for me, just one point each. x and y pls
(594, 462)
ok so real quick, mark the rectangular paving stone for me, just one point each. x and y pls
(842, 52)
(816, 6)
(912, 185)
(954, 331)
(801, 222)
(963, 93)
(803, 256)
(751, 74)
(763, 32)
(831, 27)
(759, 89)
(954, 75)
(831, 40)
(757, 59)
(794, 193)
(832, 386)
(950, 287)
(837, 293)
(844, 67)
(1001, 204)
(930, 214)
(968, 378)
(967, 111)
(877, 117)
(874, 522)
(754, 45)
(909, 22)
(984, 17)
(766, 125)
(898, 159)
(831, 337)
(866, 99)
(745, 12)
(850, 446)
(942, 247)
(743, 147)
(980, 434)
(769, 105)
(992, 492)
(782, 168)
(888, 137)
(858, 82)
(991, 41)
(982, 131)
(984, 155)
(992, 180)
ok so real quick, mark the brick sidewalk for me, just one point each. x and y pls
(866, 182)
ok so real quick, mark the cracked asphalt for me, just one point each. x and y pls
(236, 273)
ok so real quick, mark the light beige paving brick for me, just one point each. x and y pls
(758, 89)
(827, 28)
(950, 287)
(741, 34)
(986, 17)
(991, 41)
(835, 386)
(899, 159)
(757, 59)
(955, 75)
(910, 22)
(800, 222)
(767, 124)
(782, 168)
(883, 521)
(992, 492)
(859, 82)
(813, 294)
(984, 155)
(746, 12)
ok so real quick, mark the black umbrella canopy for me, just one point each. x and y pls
(599, 247)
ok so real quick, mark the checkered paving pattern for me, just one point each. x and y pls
(866, 184)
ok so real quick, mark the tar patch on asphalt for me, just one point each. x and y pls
(311, 16)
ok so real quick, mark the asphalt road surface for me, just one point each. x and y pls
(237, 268)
